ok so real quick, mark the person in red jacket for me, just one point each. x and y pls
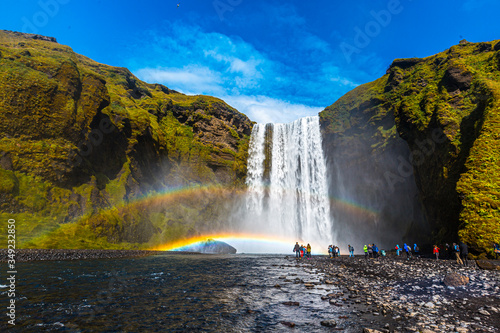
(436, 251)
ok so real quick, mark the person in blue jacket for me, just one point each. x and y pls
(375, 251)
(397, 249)
(407, 250)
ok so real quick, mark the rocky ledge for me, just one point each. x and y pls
(392, 294)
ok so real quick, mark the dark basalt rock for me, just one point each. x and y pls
(405, 63)
(31, 36)
(456, 78)
(487, 265)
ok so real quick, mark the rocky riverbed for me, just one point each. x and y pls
(392, 294)
(38, 254)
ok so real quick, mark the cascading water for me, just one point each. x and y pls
(287, 184)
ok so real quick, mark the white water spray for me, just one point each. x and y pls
(287, 184)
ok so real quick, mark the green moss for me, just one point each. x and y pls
(53, 100)
(8, 182)
(116, 188)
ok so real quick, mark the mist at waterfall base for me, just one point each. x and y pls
(306, 190)
(301, 187)
(387, 208)
(287, 194)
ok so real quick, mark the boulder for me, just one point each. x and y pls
(455, 280)
(488, 265)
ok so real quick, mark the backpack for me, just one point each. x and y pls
(457, 249)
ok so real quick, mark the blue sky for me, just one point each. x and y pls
(273, 60)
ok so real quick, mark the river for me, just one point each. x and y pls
(172, 293)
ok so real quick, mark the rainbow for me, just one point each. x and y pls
(339, 203)
(244, 243)
(352, 207)
(179, 245)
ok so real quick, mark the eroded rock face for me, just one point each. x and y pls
(457, 78)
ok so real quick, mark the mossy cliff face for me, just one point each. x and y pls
(433, 121)
(78, 138)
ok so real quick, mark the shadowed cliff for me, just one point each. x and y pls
(421, 148)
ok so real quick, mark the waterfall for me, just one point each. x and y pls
(287, 184)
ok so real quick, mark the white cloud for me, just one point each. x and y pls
(189, 79)
(268, 85)
(263, 109)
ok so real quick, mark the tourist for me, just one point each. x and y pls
(296, 249)
(375, 251)
(407, 249)
(338, 251)
(370, 250)
(496, 249)
(448, 251)
(330, 250)
(464, 253)
(365, 250)
(397, 249)
(416, 250)
(308, 251)
(351, 250)
(435, 250)
(456, 249)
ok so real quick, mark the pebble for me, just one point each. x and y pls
(288, 323)
(429, 305)
(329, 323)
(484, 312)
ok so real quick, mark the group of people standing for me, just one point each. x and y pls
(461, 251)
(302, 251)
(371, 251)
(408, 250)
(333, 251)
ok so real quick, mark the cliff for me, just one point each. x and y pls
(79, 139)
(421, 147)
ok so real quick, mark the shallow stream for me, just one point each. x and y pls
(174, 293)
